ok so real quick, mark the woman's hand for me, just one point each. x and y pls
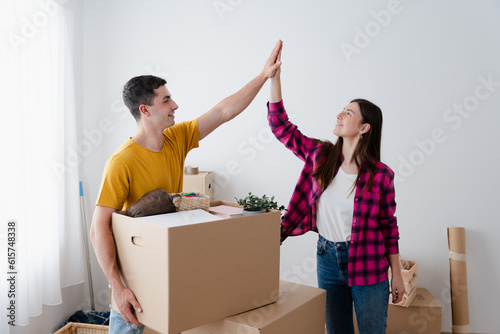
(398, 288)
(397, 284)
(276, 79)
(273, 63)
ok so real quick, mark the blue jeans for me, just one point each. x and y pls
(118, 326)
(370, 301)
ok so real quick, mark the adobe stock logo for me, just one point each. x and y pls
(223, 6)
(248, 148)
(372, 29)
(73, 156)
(30, 28)
(454, 117)
(93, 138)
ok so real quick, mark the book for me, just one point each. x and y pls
(226, 211)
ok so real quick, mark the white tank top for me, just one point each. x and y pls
(335, 208)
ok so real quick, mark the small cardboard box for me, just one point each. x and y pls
(423, 316)
(299, 310)
(203, 182)
(189, 274)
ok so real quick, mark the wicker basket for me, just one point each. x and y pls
(81, 328)
(201, 201)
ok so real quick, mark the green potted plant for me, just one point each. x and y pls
(253, 204)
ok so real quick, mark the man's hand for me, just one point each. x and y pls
(273, 63)
(125, 299)
(233, 105)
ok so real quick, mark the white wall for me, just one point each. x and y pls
(419, 64)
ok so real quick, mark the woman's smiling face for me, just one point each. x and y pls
(349, 121)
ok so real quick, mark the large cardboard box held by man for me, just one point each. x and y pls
(189, 273)
(299, 310)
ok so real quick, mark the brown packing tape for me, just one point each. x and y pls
(458, 280)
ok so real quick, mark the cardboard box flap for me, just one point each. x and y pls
(299, 310)
(291, 297)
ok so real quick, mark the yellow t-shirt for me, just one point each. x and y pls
(133, 170)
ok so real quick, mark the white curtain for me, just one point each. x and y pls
(39, 179)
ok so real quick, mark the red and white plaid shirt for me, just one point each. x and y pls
(374, 231)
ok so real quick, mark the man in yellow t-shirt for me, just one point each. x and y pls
(134, 170)
(154, 159)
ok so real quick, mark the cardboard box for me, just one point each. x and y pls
(299, 310)
(203, 182)
(423, 316)
(191, 274)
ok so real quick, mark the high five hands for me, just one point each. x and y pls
(273, 63)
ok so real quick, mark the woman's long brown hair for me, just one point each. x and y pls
(366, 154)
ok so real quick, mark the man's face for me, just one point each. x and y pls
(163, 109)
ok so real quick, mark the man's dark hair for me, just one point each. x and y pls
(140, 90)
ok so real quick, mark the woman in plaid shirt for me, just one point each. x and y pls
(347, 195)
